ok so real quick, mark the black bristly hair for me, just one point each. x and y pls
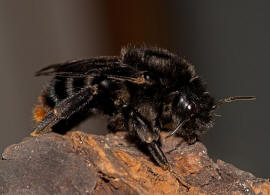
(145, 90)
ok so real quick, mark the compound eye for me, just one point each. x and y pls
(191, 108)
(147, 77)
(150, 78)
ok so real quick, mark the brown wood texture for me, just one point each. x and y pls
(80, 163)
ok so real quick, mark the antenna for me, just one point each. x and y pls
(233, 99)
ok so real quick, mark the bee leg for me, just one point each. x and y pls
(158, 155)
(142, 129)
(64, 110)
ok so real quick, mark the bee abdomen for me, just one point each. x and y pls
(45, 104)
(59, 89)
(39, 112)
(74, 85)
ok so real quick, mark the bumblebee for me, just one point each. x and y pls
(145, 90)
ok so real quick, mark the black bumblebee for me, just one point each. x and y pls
(145, 90)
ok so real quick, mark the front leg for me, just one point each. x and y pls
(149, 134)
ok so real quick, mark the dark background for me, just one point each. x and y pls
(228, 41)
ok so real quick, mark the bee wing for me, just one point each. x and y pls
(111, 67)
(83, 66)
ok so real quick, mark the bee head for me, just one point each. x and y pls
(195, 113)
(192, 111)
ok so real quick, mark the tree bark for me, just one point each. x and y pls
(80, 163)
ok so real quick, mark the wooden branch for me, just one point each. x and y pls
(79, 163)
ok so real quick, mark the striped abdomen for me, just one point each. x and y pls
(59, 89)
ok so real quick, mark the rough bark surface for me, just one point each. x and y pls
(80, 163)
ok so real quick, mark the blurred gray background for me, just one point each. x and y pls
(228, 41)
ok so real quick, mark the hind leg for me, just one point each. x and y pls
(64, 110)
